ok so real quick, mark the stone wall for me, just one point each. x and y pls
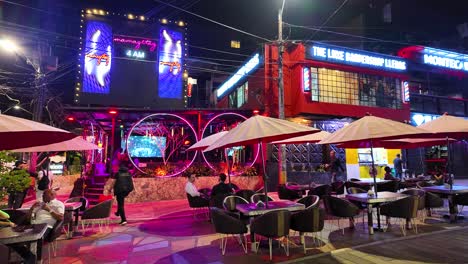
(154, 189)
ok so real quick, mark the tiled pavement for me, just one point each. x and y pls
(166, 232)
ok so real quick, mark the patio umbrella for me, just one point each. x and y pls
(261, 130)
(77, 143)
(22, 133)
(209, 140)
(409, 143)
(370, 130)
(311, 138)
(449, 127)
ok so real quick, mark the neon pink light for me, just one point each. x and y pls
(208, 123)
(137, 42)
(161, 114)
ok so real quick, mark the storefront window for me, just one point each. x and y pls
(333, 86)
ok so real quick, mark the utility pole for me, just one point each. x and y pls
(281, 150)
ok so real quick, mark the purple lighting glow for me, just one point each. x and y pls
(170, 64)
(97, 58)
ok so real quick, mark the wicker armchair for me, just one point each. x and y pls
(80, 199)
(320, 191)
(227, 225)
(337, 187)
(310, 220)
(52, 237)
(217, 200)
(260, 197)
(340, 208)
(404, 209)
(246, 194)
(100, 213)
(19, 217)
(197, 202)
(421, 184)
(390, 186)
(432, 201)
(274, 224)
(310, 201)
(287, 194)
(461, 199)
(421, 200)
(350, 184)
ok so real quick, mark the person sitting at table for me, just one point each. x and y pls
(190, 187)
(221, 187)
(388, 174)
(49, 211)
(439, 177)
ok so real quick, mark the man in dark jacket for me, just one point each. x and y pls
(122, 187)
(221, 187)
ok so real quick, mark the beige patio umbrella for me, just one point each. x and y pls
(207, 141)
(311, 138)
(261, 130)
(18, 132)
(449, 127)
(77, 143)
(370, 130)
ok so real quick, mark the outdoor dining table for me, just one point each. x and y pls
(371, 200)
(75, 208)
(450, 192)
(369, 182)
(303, 187)
(32, 236)
(252, 210)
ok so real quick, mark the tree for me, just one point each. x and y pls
(11, 181)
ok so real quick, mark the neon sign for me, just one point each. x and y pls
(355, 57)
(135, 54)
(241, 73)
(137, 42)
(98, 58)
(172, 65)
(446, 59)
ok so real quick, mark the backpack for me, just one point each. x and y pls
(43, 183)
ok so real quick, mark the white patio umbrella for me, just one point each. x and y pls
(77, 143)
(261, 130)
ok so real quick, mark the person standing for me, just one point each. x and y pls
(44, 180)
(334, 166)
(398, 166)
(123, 186)
(16, 197)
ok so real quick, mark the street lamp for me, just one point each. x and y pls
(16, 107)
(10, 46)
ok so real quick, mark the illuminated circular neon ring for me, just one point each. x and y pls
(160, 114)
(208, 124)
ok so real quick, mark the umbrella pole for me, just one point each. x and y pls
(372, 168)
(227, 164)
(265, 177)
(308, 160)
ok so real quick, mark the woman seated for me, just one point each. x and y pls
(388, 174)
(439, 178)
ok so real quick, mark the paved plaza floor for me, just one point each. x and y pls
(167, 232)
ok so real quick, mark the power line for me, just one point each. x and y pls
(220, 51)
(328, 19)
(30, 7)
(351, 35)
(213, 21)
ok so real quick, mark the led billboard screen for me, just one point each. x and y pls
(131, 64)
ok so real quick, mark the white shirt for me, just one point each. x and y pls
(44, 217)
(191, 189)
